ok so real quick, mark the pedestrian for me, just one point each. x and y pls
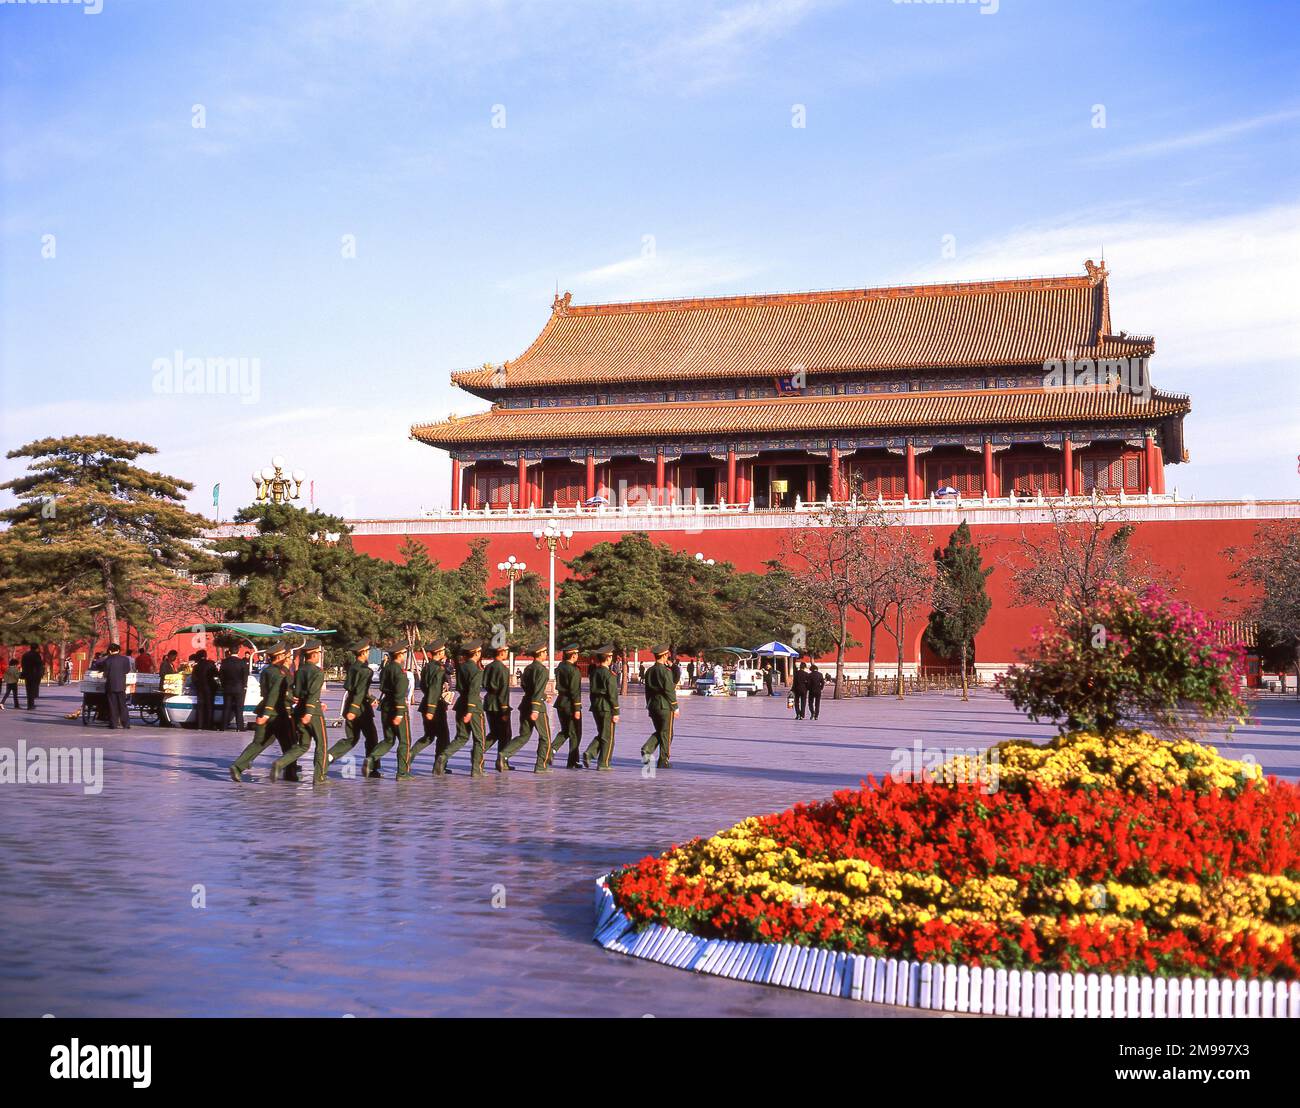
(602, 693)
(272, 717)
(769, 678)
(468, 708)
(816, 682)
(358, 710)
(394, 713)
(33, 669)
(65, 671)
(203, 678)
(799, 687)
(115, 668)
(13, 671)
(619, 671)
(170, 665)
(690, 672)
(496, 704)
(568, 705)
(533, 713)
(435, 698)
(144, 661)
(308, 716)
(233, 676)
(661, 703)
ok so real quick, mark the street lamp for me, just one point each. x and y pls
(513, 569)
(553, 536)
(275, 486)
(703, 560)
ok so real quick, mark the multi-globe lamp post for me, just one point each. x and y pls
(552, 535)
(513, 570)
(274, 486)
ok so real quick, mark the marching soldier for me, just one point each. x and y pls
(435, 697)
(272, 717)
(358, 710)
(496, 704)
(308, 715)
(469, 712)
(603, 693)
(394, 686)
(568, 705)
(661, 703)
(532, 712)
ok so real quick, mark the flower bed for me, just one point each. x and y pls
(1118, 855)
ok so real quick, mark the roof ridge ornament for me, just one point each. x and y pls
(560, 305)
(1096, 273)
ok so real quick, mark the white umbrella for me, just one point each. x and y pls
(777, 649)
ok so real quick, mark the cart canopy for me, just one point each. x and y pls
(777, 650)
(254, 630)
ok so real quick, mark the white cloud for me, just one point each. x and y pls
(1208, 136)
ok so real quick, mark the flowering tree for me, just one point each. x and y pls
(1130, 657)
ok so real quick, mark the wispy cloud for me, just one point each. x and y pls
(658, 273)
(1208, 136)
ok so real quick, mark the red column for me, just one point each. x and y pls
(455, 484)
(912, 480)
(522, 499)
(990, 486)
(835, 473)
(591, 475)
(658, 497)
(731, 476)
(1067, 467)
(1155, 466)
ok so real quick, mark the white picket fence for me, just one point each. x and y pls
(942, 987)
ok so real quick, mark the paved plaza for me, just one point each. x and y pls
(374, 898)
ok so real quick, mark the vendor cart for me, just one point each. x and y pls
(145, 693)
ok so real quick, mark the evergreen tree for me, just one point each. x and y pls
(92, 533)
(961, 604)
(615, 595)
(287, 572)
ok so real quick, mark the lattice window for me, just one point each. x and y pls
(497, 489)
(1110, 474)
(967, 477)
(565, 487)
(1032, 476)
(887, 480)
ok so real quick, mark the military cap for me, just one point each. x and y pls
(659, 650)
(358, 647)
(434, 647)
(398, 648)
(537, 648)
(572, 648)
(470, 647)
(602, 652)
(277, 647)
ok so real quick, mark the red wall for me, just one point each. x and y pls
(1190, 552)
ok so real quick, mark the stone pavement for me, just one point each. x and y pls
(374, 898)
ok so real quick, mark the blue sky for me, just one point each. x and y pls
(647, 150)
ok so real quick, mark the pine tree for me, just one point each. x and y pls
(961, 604)
(92, 533)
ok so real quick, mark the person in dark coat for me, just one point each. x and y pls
(204, 678)
(33, 669)
(816, 682)
(115, 667)
(799, 687)
(233, 675)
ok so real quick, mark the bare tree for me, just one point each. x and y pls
(1089, 545)
(908, 580)
(1271, 567)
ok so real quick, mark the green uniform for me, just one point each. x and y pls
(661, 703)
(394, 686)
(469, 702)
(603, 694)
(308, 683)
(535, 679)
(358, 701)
(273, 705)
(568, 708)
(433, 679)
(496, 706)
